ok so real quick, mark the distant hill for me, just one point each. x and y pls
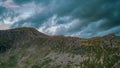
(29, 48)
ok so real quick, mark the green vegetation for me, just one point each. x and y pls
(42, 51)
(10, 63)
(5, 45)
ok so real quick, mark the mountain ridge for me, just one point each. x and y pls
(29, 48)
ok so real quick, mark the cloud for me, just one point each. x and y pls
(2, 10)
(81, 18)
(21, 2)
(7, 12)
(4, 14)
(4, 27)
(9, 4)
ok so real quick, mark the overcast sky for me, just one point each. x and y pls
(79, 18)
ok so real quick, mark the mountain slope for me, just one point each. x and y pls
(28, 48)
(20, 33)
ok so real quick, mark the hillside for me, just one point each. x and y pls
(28, 48)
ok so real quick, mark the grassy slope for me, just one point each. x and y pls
(61, 52)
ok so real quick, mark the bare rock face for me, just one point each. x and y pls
(29, 48)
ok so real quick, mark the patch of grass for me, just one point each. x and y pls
(11, 63)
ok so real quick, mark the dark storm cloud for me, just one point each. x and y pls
(20, 2)
(7, 14)
(82, 18)
(3, 13)
(2, 10)
(2, 0)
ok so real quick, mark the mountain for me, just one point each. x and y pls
(29, 48)
(20, 33)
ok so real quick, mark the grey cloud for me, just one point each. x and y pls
(20, 2)
(2, 0)
(3, 13)
(4, 27)
(7, 15)
(95, 17)
(2, 10)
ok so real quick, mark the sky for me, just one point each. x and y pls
(78, 18)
